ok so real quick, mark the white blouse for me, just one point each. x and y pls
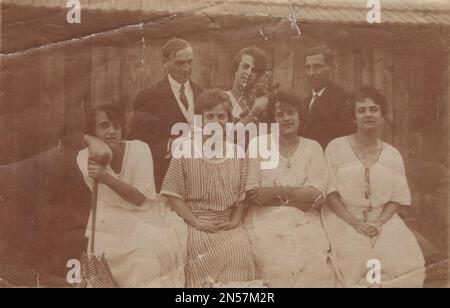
(348, 176)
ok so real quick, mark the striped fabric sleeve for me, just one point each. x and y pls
(174, 184)
(243, 180)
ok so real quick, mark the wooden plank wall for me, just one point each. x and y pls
(46, 91)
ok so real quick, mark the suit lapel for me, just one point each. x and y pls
(317, 108)
(170, 106)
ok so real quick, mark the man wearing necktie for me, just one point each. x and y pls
(325, 112)
(159, 107)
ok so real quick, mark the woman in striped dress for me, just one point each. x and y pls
(209, 195)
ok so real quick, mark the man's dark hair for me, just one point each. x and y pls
(260, 57)
(114, 114)
(370, 92)
(325, 50)
(212, 98)
(173, 46)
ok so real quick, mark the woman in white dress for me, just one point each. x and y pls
(368, 187)
(288, 242)
(143, 241)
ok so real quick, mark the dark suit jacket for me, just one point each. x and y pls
(329, 119)
(156, 111)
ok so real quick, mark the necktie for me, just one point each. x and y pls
(313, 102)
(183, 98)
(311, 110)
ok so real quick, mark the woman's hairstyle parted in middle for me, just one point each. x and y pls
(287, 99)
(212, 98)
(114, 114)
(370, 92)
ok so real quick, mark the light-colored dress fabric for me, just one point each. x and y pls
(144, 246)
(289, 246)
(396, 247)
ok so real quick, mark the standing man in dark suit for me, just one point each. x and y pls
(171, 101)
(325, 109)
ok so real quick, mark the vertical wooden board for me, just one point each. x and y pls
(416, 107)
(105, 78)
(283, 63)
(52, 96)
(25, 175)
(364, 66)
(401, 101)
(130, 59)
(202, 61)
(26, 82)
(383, 80)
(51, 124)
(151, 69)
(26, 143)
(99, 74)
(7, 144)
(367, 77)
(77, 82)
(113, 77)
(433, 114)
(345, 68)
(358, 66)
(301, 84)
(430, 112)
(7, 97)
(221, 64)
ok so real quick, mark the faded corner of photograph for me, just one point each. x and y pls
(204, 144)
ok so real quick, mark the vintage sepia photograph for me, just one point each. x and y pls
(224, 144)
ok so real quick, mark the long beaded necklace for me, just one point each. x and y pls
(367, 166)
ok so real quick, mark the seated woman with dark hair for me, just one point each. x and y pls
(140, 237)
(288, 242)
(209, 194)
(368, 187)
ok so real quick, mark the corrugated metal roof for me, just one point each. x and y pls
(411, 12)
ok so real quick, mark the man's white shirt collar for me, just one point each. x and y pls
(176, 88)
(320, 93)
(316, 94)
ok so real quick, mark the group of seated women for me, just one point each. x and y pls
(313, 221)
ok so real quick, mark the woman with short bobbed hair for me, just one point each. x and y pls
(209, 194)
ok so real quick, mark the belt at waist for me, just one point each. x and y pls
(225, 215)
